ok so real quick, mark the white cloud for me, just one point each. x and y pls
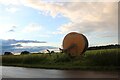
(39, 44)
(11, 2)
(85, 17)
(41, 5)
(88, 17)
(7, 31)
(19, 2)
(32, 27)
(12, 9)
(4, 28)
(44, 36)
(91, 17)
(11, 6)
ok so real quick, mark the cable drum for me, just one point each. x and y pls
(75, 44)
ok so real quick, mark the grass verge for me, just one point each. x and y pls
(108, 59)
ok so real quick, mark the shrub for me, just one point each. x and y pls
(25, 52)
(8, 53)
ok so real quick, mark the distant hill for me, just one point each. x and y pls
(112, 46)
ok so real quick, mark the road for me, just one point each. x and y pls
(20, 72)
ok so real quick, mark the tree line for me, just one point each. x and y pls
(112, 46)
(27, 52)
(10, 53)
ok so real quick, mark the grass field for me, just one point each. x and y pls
(108, 59)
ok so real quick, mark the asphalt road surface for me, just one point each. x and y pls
(20, 72)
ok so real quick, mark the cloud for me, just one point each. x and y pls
(32, 27)
(29, 41)
(20, 2)
(11, 2)
(87, 18)
(13, 41)
(45, 35)
(12, 6)
(4, 28)
(10, 43)
(12, 9)
(93, 19)
(11, 30)
(17, 47)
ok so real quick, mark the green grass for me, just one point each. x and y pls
(108, 59)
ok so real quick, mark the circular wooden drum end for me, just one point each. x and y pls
(75, 44)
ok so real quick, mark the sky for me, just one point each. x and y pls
(47, 21)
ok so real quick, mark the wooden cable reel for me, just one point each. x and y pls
(75, 44)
